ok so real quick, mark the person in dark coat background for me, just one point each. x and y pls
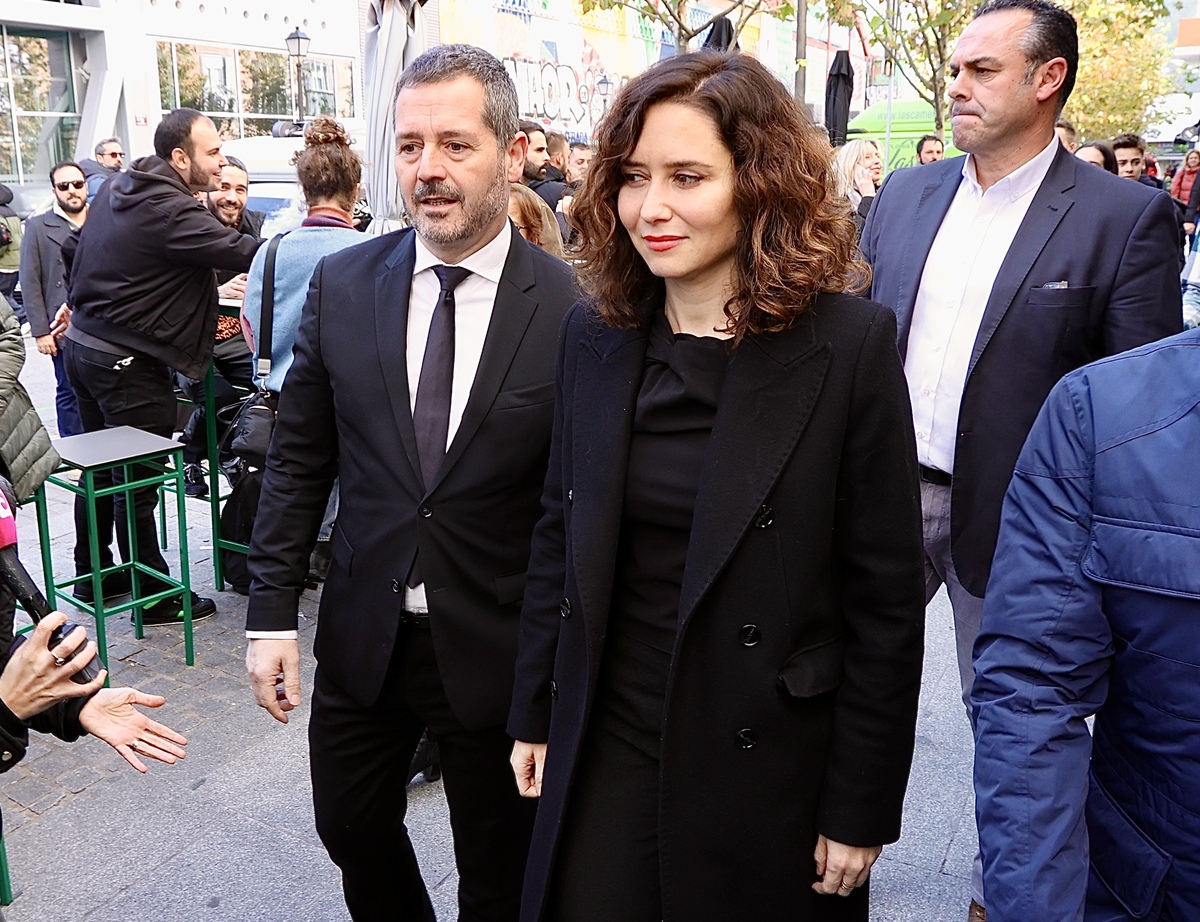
(722, 633)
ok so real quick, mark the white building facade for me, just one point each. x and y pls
(73, 72)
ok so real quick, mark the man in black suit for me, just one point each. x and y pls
(1007, 269)
(424, 379)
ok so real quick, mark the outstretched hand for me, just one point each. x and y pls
(112, 717)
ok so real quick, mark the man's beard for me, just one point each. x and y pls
(72, 209)
(220, 215)
(198, 179)
(474, 217)
(531, 173)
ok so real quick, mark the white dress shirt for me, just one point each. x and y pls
(957, 281)
(474, 299)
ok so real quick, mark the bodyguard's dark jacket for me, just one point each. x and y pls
(141, 271)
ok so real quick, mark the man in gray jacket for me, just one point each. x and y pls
(43, 278)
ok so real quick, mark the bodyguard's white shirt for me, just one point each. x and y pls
(474, 299)
(961, 269)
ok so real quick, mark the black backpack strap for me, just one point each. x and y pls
(267, 315)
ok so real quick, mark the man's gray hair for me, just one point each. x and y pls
(449, 62)
(100, 145)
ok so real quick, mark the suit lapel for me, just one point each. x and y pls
(511, 313)
(931, 211)
(391, 333)
(1052, 200)
(607, 377)
(57, 229)
(770, 390)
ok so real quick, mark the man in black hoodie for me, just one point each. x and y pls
(144, 300)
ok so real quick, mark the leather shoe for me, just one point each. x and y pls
(976, 913)
(114, 586)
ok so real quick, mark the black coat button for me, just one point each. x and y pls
(565, 608)
(749, 635)
(764, 518)
(553, 690)
(397, 586)
(570, 497)
(425, 512)
(746, 739)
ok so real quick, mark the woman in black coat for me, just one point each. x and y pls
(721, 641)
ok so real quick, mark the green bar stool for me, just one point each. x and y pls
(158, 462)
(6, 890)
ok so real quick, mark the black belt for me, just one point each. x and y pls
(934, 476)
(417, 620)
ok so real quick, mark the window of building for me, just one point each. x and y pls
(246, 91)
(39, 121)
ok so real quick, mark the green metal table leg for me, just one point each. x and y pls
(97, 606)
(6, 890)
(43, 523)
(185, 574)
(214, 476)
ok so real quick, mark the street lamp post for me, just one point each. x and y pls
(297, 46)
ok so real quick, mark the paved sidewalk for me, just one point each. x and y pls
(227, 834)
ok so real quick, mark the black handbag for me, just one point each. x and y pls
(255, 422)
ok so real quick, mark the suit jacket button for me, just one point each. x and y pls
(746, 739)
(425, 512)
(553, 690)
(749, 635)
(565, 608)
(570, 497)
(397, 586)
(764, 518)
(7, 756)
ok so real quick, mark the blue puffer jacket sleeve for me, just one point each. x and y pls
(1041, 662)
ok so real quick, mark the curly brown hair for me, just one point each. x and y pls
(327, 167)
(796, 237)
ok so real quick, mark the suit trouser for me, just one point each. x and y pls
(360, 758)
(121, 390)
(967, 608)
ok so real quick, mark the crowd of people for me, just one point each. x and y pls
(637, 463)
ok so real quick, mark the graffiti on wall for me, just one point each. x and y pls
(568, 98)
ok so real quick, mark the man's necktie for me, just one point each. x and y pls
(431, 415)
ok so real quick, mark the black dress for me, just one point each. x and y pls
(607, 867)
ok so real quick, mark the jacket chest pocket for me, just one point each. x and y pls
(1151, 584)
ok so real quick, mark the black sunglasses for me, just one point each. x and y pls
(113, 153)
(73, 184)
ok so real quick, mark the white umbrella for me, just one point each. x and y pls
(395, 36)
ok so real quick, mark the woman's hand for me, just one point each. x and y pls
(528, 760)
(842, 867)
(112, 717)
(862, 181)
(38, 677)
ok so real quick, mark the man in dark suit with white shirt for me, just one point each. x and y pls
(423, 378)
(1007, 269)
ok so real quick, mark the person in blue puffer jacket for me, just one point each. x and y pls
(1093, 608)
